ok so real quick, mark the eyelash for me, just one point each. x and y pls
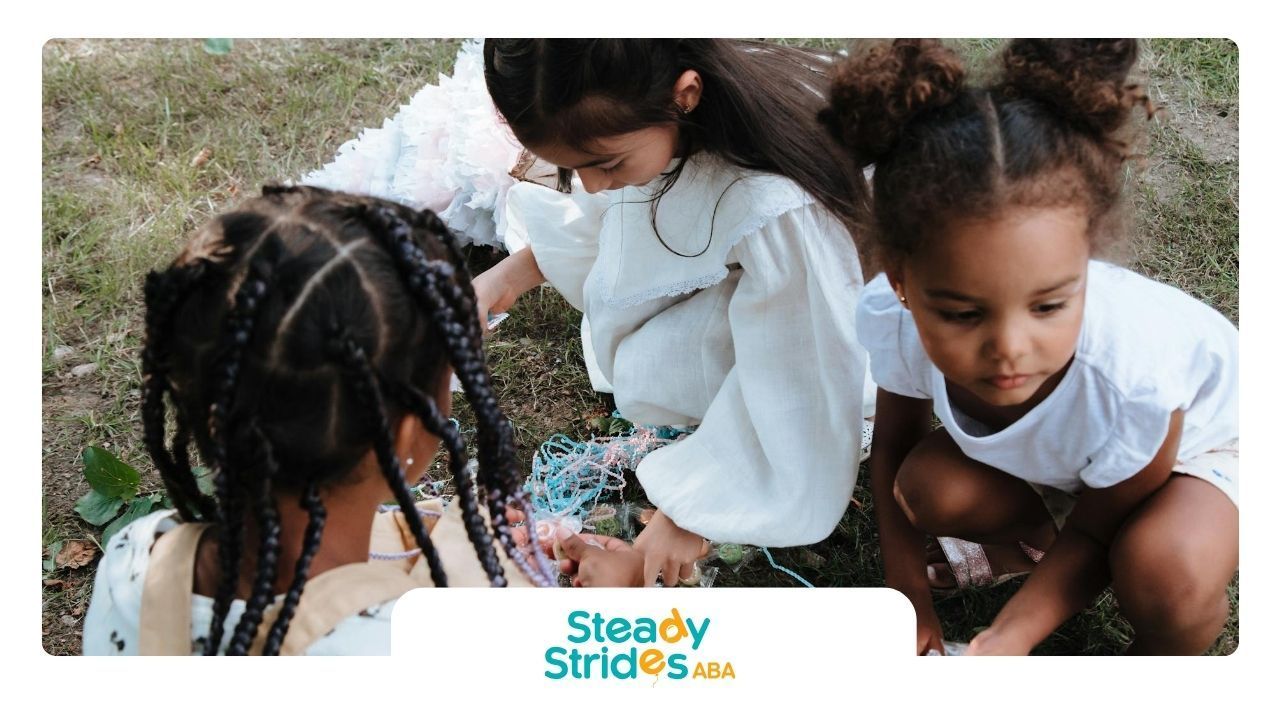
(971, 317)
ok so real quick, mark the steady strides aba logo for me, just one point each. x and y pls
(617, 648)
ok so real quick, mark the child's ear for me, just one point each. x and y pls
(896, 280)
(688, 90)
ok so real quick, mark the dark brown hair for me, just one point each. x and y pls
(291, 336)
(1053, 129)
(758, 107)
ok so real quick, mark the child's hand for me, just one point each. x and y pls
(599, 560)
(928, 630)
(670, 550)
(493, 295)
(498, 287)
(994, 641)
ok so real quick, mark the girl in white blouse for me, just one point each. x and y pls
(703, 232)
(1089, 415)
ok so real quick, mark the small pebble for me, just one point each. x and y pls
(85, 369)
(68, 620)
(62, 352)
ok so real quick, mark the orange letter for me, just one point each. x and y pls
(652, 661)
(674, 624)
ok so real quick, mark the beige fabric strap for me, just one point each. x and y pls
(164, 622)
(331, 597)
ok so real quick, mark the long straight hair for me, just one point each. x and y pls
(758, 108)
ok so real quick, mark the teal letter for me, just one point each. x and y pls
(552, 652)
(629, 659)
(618, 630)
(697, 633)
(677, 670)
(574, 617)
(650, 631)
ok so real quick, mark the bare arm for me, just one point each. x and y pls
(901, 423)
(1075, 568)
(498, 287)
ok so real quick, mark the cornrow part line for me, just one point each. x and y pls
(316, 515)
(341, 256)
(356, 366)
(997, 143)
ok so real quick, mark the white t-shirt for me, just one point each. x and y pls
(751, 340)
(1145, 350)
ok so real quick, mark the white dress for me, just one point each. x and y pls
(447, 151)
(752, 340)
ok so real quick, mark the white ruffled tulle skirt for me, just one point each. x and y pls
(447, 151)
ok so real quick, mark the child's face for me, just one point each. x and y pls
(635, 158)
(999, 303)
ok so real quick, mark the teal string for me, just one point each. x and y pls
(776, 566)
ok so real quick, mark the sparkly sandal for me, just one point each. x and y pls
(971, 568)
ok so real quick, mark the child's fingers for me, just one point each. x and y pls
(652, 566)
(671, 573)
(571, 545)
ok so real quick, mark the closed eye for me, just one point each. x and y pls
(1049, 308)
(961, 317)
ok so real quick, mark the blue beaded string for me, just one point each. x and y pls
(776, 566)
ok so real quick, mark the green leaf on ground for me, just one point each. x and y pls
(108, 475)
(217, 46)
(97, 509)
(51, 552)
(136, 509)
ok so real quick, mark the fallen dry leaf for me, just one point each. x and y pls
(94, 160)
(202, 157)
(54, 583)
(76, 553)
(119, 129)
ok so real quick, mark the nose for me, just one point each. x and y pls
(1009, 340)
(593, 181)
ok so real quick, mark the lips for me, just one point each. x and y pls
(1008, 382)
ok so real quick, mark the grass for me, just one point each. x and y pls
(124, 120)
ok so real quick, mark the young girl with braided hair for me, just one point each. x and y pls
(1089, 414)
(702, 229)
(305, 341)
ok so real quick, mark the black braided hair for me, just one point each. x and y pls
(291, 336)
(449, 297)
(310, 501)
(361, 374)
(163, 292)
(237, 332)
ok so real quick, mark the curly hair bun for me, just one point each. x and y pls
(1084, 81)
(882, 87)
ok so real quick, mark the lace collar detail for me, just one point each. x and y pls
(702, 217)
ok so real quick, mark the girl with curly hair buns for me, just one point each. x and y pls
(305, 341)
(705, 237)
(1089, 414)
